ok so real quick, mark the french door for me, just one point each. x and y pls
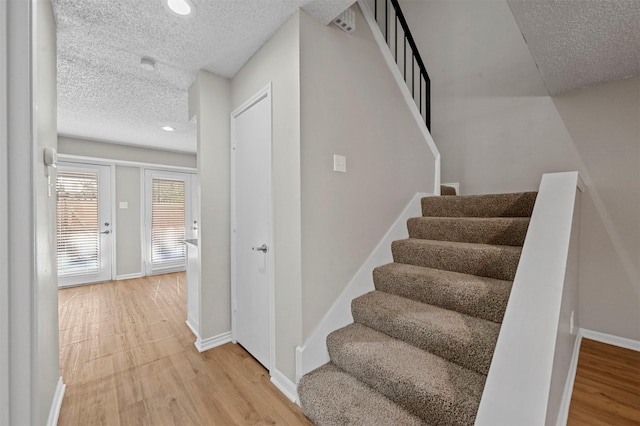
(84, 225)
(169, 220)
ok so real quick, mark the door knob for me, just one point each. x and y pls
(106, 232)
(263, 248)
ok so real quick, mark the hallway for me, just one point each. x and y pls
(127, 357)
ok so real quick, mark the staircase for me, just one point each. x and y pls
(421, 343)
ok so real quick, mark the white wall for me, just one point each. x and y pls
(278, 62)
(209, 98)
(350, 105)
(33, 297)
(498, 131)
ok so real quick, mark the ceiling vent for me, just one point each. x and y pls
(346, 21)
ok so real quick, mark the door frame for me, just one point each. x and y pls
(264, 93)
(70, 161)
(148, 174)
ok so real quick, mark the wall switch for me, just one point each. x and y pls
(339, 163)
(124, 205)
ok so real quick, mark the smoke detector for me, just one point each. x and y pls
(147, 64)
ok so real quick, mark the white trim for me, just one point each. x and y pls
(56, 404)
(129, 276)
(314, 352)
(264, 93)
(404, 89)
(563, 414)
(610, 339)
(284, 385)
(114, 225)
(211, 342)
(193, 329)
(110, 161)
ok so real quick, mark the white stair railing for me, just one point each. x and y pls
(530, 375)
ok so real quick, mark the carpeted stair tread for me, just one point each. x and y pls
(507, 231)
(329, 396)
(456, 337)
(469, 294)
(447, 190)
(492, 205)
(484, 260)
(432, 388)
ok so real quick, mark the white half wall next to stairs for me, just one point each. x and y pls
(531, 365)
(314, 352)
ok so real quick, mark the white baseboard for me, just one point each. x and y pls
(610, 339)
(193, 329)
(129, 276)
(56, 404)
(284, 385)
(314, 352)
(563, 415)
(212, 342)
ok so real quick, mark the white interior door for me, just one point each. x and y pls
(252, 251)
(84, 226)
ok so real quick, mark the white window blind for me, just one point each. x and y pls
(167, 222)
(77, 223)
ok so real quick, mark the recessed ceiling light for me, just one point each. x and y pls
(168, 128)
(180, 7)
(147, 63)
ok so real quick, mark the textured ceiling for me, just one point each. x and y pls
(581, 43)
(104, 94)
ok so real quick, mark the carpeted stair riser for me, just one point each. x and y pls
(436, 390)
(495, 205)
(469, 294)
(329, 396)
(498, 231)
(491, 261)
(459, 338)
(422, 342)
(447, 190)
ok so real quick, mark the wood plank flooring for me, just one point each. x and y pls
(127, 358)
(607, 386)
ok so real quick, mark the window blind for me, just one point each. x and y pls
(167, 222)
(77, 223)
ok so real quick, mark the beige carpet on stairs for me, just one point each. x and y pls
(421, 344)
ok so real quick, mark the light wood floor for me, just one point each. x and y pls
(128, 358)
(607, 386)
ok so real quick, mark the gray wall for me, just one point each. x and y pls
(33, 368)
(129, 226)
(350, 105)
(92, 148)
(48, 370)
(278, 62)
(209, 98)
(498, 131)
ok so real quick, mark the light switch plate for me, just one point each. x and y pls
(339, 163)
(124, 205)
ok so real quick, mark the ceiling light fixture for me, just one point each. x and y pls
(147, 64)
(180, 7)
(168, 128)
